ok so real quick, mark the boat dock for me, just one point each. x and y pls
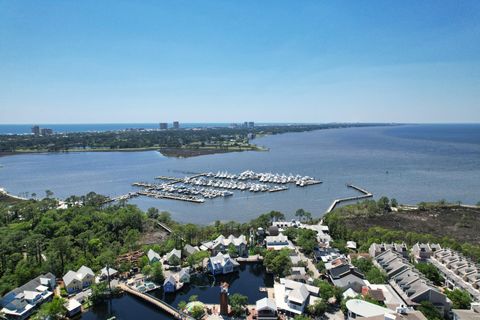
(172, 196)
(365, 195)
(126, 196)
(156, 302)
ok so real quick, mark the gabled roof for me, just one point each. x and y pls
(266, 304)
(222, 241)
(299, 295)
(292, 285)
(174, 253)
(190, 249)
(111, 272)
(84, 271)
(220, 260)
(183, 272)
(170, 279)
(69, 277)
(152, 255)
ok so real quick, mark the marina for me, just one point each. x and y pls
(203, 186)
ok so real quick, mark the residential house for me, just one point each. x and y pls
(383, 293)
(423, 251)
(266, 309)
(222, 244)
(188, 250)
(391, 262)
(458, 271)
(222, 264)
(376, 249)
(278, 242)
(409, 283)
(73, 307)
(71, 282)
(292, 297)
(153, 256)
(298, 274)
(184, 275)
(173, 258)
(106, 273)
(326, 254)
(21, 302)
(170, 284)
(472, 314)
(345, 276)
(77, 281)
(357, 308)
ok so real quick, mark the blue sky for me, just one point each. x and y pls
(223, 61)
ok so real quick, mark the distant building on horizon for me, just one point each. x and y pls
(46, 131)
(251, 124)
(36, 130)
(163, 126)
(176, 125)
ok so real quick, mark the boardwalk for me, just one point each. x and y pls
(165, 227)
(365, 195)
(156, 302)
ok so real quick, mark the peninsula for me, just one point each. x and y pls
(189, 142)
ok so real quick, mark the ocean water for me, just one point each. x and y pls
(411, 163)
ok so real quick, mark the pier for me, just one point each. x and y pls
(126, 196)
(156, 302)
(365, 195)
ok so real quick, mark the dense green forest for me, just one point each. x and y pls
(36, 237)
(142, 139)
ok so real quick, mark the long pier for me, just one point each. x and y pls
(365, 195)
(156, 302)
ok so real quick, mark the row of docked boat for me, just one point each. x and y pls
(172, 196)
(265, 177)
(208, 193)
(232, 185)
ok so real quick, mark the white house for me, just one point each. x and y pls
(222, 264)
(293, 297)
(278, 242)
(362, 309)
(173, 257)
(76, 281)
(153, 256)
(266, 309)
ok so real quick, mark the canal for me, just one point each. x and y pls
(247, 281)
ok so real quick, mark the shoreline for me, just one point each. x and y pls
(167, 152)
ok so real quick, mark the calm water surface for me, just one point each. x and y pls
(247, 281)
(411, 163)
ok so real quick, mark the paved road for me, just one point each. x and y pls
(310, 265)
